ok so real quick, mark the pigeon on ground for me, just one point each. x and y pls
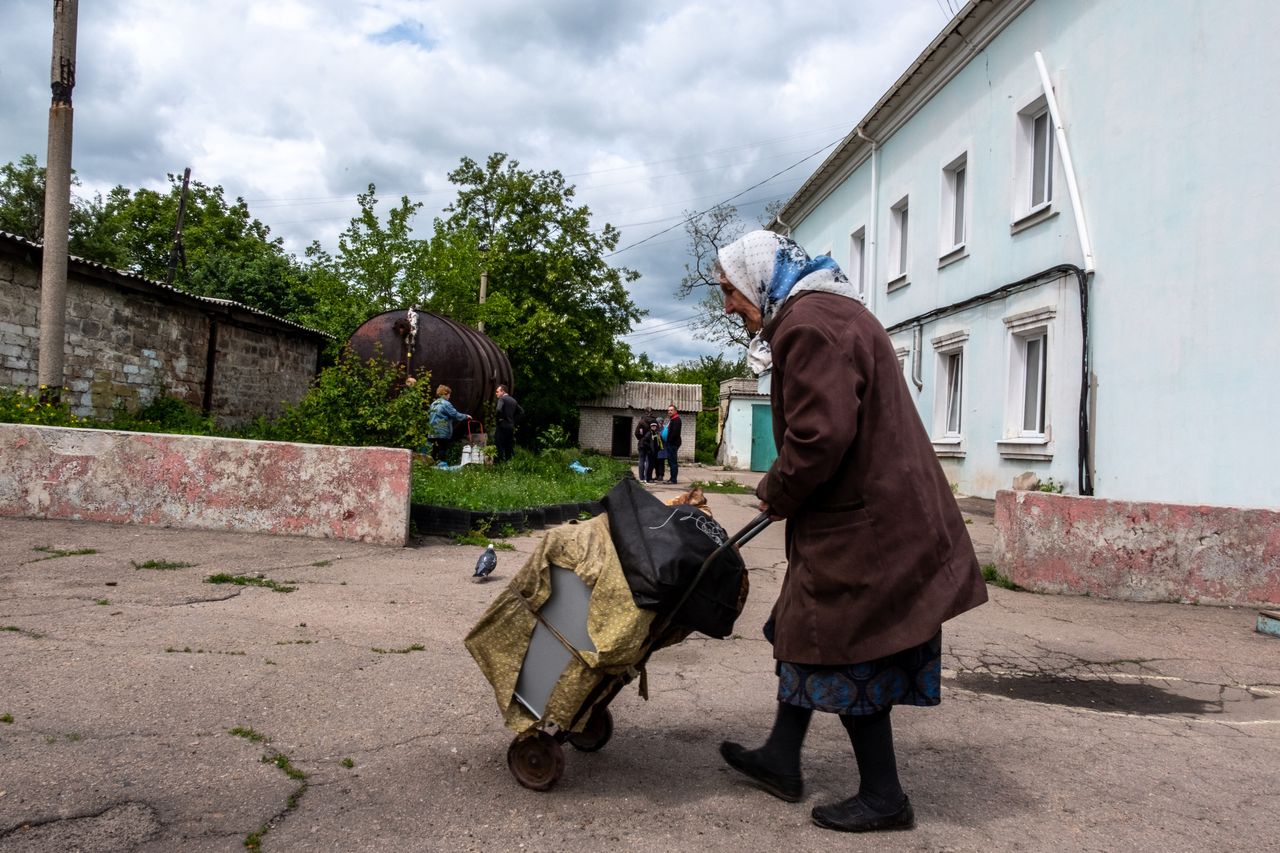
(487, 563)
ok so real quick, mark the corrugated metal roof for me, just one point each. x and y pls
(133, 279)
(644, 396)
(747, 385)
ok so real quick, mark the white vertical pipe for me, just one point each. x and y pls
(872, 242)
(1086, 249)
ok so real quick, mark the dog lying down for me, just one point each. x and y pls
(694, 497)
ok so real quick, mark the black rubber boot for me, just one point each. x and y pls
(880, 803)
(775, 767)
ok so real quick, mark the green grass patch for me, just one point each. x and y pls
(55, 553)
(347, 763)
(162, 565)
(26, 632)
(416, 647)
(723, 487)
(320, 564)
(481, 539)
(249, 580)
(990, 575)
(6, 718)
(528, 480)
(103, 602)
(187, 650)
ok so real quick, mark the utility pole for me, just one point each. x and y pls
(177, 251)
(484, 278)
(57, 203)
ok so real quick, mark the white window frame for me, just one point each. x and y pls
(955, 209)
(949, 392)
(904, 360)
(1018, 441)
(1026, 180)
(858, 260)
(899, 242)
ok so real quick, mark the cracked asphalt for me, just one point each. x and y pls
(1066, 723)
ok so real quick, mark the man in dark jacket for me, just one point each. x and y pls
(672, 431)
(878, 556)
(508, 414)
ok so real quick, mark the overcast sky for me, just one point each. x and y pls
(651, 108)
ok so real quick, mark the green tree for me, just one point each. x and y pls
(555, 305)
(379, 267)
(227, 253)
(22, 209)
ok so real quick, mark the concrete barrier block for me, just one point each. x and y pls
(356, 493)
(1141, 551)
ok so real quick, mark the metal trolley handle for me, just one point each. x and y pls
(742, 537)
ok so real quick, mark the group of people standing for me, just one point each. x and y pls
(658, 444)
(443, 415)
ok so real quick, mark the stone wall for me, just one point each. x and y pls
(356, 493)
(1140, 551)
(130, 340)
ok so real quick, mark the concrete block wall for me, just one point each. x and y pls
(258, 373)
(128, 345)
(354, 493)
(19, 309)
(1140, 551)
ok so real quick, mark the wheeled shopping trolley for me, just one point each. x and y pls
(588, 640)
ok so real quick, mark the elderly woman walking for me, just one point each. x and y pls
(878, 556)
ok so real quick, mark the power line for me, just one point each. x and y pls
(726, 201)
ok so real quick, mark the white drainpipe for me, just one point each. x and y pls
(870, 283)
(1086, 249)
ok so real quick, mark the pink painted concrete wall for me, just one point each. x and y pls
(1139, 551)
(357, 493)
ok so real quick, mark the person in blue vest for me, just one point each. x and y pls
(671, 437)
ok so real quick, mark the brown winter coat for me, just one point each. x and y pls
(878, 554)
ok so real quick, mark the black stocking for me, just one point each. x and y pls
(781, 752)
(872, 739)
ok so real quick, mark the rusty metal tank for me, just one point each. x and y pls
(457, 355)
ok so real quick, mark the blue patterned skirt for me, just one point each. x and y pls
(909, 677)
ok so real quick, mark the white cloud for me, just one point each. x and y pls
(654, 108)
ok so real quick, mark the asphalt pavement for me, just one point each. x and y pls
(144, 708)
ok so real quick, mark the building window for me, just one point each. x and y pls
(898, 245)
(954, 374)
(1034, 156)
(948, 398)
(857, 260)
(1027, 430)
(954, 201)
(1034, 373)
(1041, 158)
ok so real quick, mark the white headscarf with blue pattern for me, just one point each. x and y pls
(769, 269)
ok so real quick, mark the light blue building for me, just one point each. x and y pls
(972, 204)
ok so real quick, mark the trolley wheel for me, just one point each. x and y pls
(537, 761)
(596, 734)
